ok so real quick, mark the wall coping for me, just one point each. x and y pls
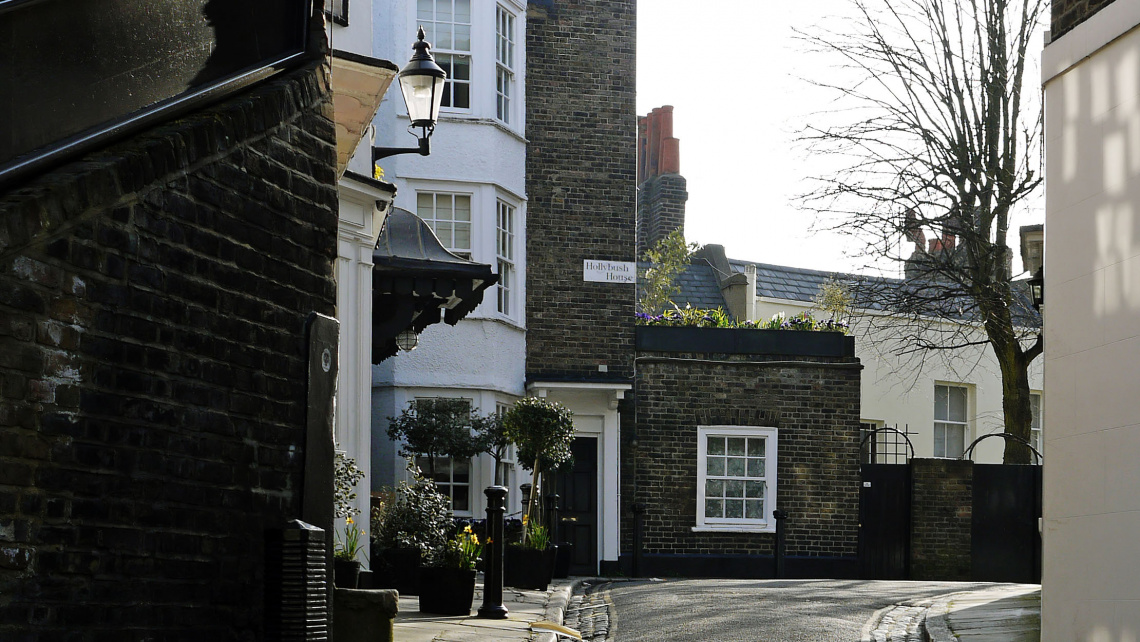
(794, 343)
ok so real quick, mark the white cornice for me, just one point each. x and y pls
(1092, 35)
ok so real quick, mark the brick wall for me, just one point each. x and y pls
(580, 172)
(941, 501)
(814, 402)
(153, 299)
(660, 209)
(1067, 14)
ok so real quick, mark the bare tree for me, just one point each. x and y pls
(939, 138)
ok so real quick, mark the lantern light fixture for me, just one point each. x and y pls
(421, 83)
(407, 340)
(1037, 288)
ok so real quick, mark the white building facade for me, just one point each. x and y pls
(471, 190)
(1091, 76)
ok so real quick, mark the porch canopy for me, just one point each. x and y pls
(416, 282)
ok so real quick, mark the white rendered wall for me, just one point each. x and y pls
(1092, 330)
(894, 391)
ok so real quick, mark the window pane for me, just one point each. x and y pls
(736, 467)
(462, 471)
(462, 96)
(754, 489)
(463, 208)
(714, 488)
(443, 231)
(425, 205)
(443, 10)
(715, 466)
(461, 499)
(755, 467)
(941, 396)
(736, 445)
(714, 508)
(754, 509)
(463, 11)
(734, 489)
(955, 441)
(716, 445)
(734, 508)
(463, 37)
(461, 69)
(424, 11)
(957, 404)
(755, 447)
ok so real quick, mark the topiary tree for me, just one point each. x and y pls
(492, 438)
(543, 431)
(436, 428)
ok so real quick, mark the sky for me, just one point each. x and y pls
(738, 144)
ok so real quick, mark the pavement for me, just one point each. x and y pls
(523, 609)
(1003, 613)
(1000, 613)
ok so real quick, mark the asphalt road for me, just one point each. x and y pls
(756, 610)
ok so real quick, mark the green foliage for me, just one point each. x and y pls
(537, 535)
(462, 551)
(419, 518)
(835, 299)
(346, 547)
(491, 437)
(718, 318)
(436, 428)
(668, 257)
(346, 475)
(543, 431)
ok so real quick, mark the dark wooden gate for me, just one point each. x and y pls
(578, 489)
(884, 521)
(1006, 542)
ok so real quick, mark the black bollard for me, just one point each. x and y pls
(781, 516)
(493, 555)
(638, 538)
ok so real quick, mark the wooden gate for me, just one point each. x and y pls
(1005, 540)
(884, 521)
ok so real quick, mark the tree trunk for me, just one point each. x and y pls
(1016, 408)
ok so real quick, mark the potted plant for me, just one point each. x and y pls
(447, 584)
(346, 475)
(543, 431)
(407, 531)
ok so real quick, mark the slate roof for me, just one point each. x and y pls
(698, 285)
(789, 283)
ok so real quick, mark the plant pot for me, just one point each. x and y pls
(396, 568)
(346, 573)
(446, 591)
(562, 560)
(527, 568)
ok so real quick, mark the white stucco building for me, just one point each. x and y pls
(942, 401)
(471, 190)
(1091, 76)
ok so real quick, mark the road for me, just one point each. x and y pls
(744, 610)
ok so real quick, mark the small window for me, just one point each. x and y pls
(505, 253)
(453, 478)
(736, 478)
(950, 420)
(447, 26)
(449, 215)
(504, 63)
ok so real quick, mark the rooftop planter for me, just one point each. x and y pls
(792, 343)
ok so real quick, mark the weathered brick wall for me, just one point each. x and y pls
(580, 171)
(1067, 14)
(153, 299)
(814, 402)
(941, 507)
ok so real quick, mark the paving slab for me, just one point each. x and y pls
(523, 608)
(1005, 613)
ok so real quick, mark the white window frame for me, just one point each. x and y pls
(504, 63)
(1036, 436)
(447, 461)
(446, 51)
(766, 524)
(436, 222)
(946, 422)
(505, 216)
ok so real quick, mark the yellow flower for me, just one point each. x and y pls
(350, 520)
(524, 519)
(467, 529)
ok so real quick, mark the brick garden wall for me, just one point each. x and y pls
(814, 403)
(153, 299)
(941, 508)
(580, 171)
(1067, 14)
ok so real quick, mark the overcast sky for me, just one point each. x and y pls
(739, 153)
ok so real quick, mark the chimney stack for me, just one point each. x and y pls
(661, 188)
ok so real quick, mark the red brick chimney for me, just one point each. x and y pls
(662, 191)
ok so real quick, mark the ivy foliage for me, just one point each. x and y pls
(346, 475)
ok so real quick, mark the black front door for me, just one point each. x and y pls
(578, 488)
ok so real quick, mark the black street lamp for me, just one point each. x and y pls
(1037, 288)
(421, 82)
